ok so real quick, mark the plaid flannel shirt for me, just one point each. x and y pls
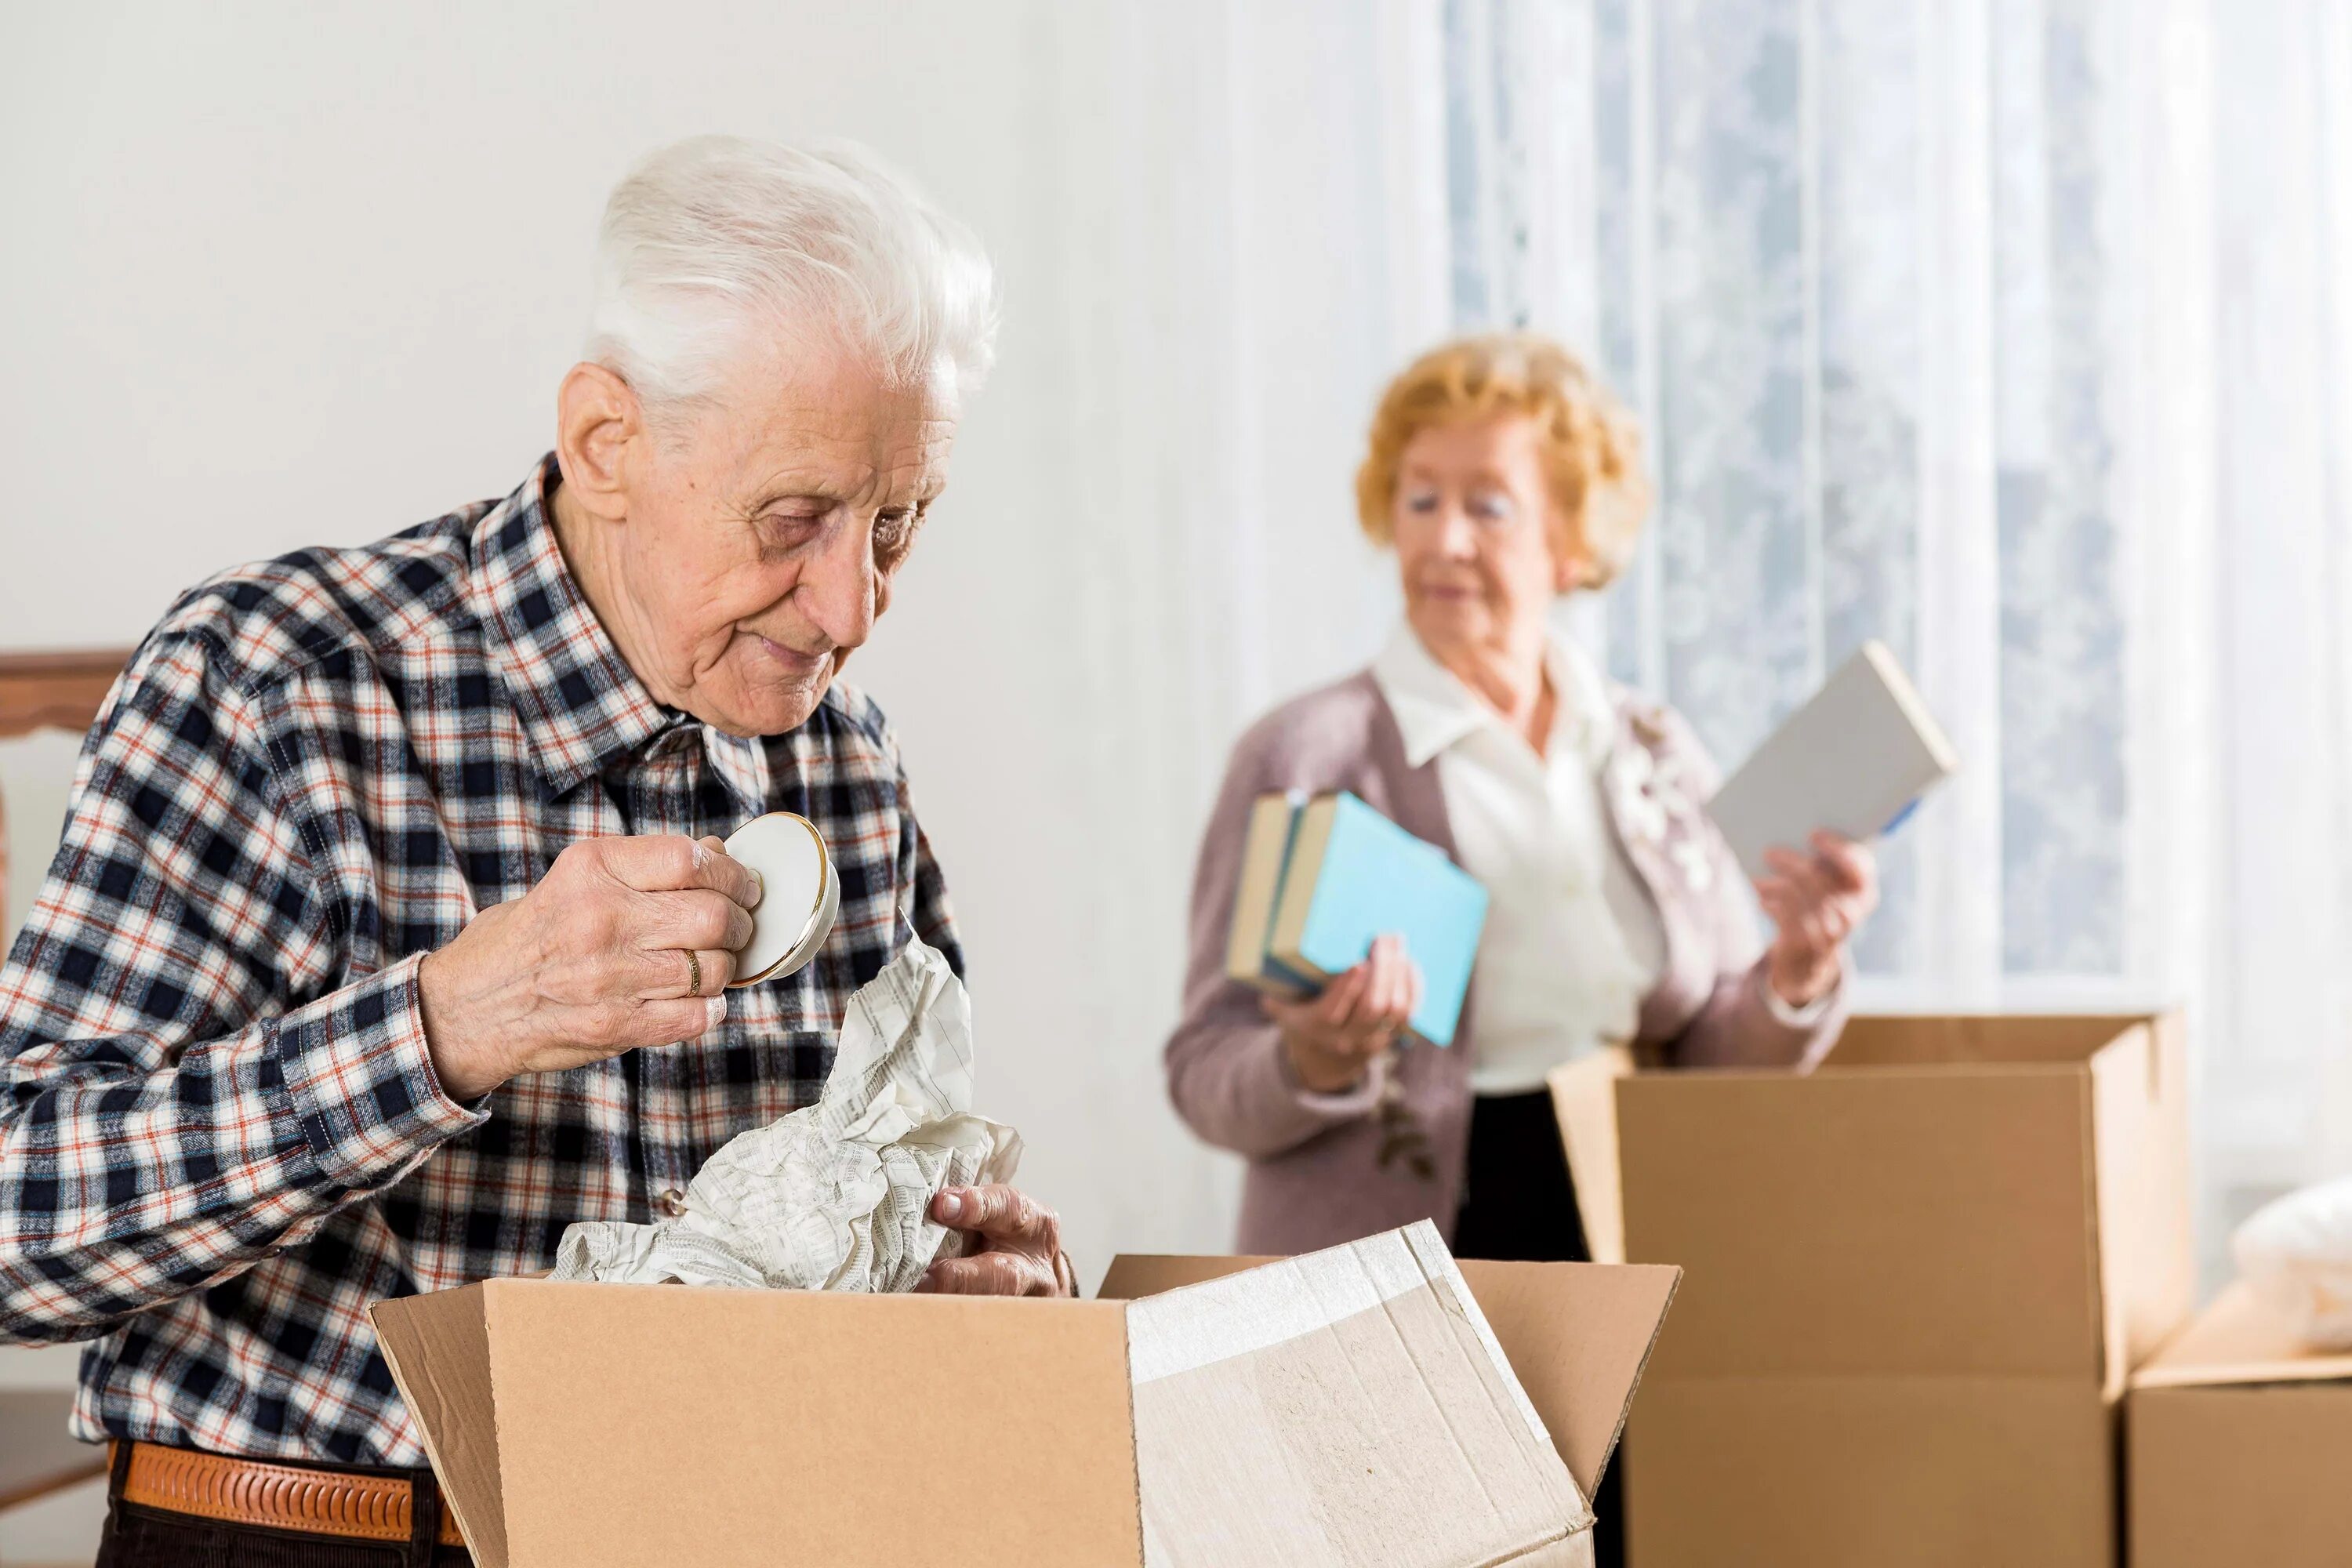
(221, 1136)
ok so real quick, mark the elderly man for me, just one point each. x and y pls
(388, 932)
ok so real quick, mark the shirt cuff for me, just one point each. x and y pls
(1334, 1104)
(355, 1067)
(1787, 1013)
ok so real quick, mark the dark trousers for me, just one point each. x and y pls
(139, 1537)
(1518, 1204)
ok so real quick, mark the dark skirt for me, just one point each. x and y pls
(1518, 1204)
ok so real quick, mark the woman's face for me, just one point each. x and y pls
(1482, 546)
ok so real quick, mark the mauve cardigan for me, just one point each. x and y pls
(1314, 1179)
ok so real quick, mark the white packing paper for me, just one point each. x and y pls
(2296, 1252)
(836, 1195)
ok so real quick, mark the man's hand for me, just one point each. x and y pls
(1014, 1247)
(1817, 902)
(1333, 1039)
(625, 943)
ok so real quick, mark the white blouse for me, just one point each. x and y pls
(1573, 940)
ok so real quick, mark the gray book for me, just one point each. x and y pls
(1853, 760)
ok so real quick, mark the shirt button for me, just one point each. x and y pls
(672, 1202)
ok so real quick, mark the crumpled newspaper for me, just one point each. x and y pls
(836, 1195)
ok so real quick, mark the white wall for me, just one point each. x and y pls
(282, 275)
(309, 275)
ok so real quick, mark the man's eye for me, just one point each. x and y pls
(789, 525)
(893, 532)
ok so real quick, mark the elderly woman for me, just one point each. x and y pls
(390, 926)
(1503, 477)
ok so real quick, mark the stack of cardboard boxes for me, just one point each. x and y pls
(1917, 1281)
(1920, 1285)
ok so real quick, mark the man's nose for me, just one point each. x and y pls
(836, 590)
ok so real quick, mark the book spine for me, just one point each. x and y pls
(1280, 979)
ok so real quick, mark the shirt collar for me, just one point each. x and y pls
(1434, 710)
(582, 707)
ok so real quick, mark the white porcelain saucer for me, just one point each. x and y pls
(800, 894)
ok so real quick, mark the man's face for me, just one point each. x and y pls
(761, 538)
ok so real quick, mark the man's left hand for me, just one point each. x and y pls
(1014, 1245)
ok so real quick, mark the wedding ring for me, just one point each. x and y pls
(693, 973)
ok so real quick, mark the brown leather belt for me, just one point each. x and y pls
(274, 1497)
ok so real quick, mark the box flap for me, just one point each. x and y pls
(2236, 1339)
(1577, 1335)
(1584, 1097)
(1346, 1407)
(2147, 1260)
(1959, 1039)
(664, 1423)
(1135, 1275)
(438, 1347)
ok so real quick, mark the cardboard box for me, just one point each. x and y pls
(1348, 1407)
(1915, 1281)
(2239, 1443)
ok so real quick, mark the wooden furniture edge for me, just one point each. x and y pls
(49, 1484)
(56, 690)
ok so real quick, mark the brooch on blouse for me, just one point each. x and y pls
(1403, 1138)
(1652, 809)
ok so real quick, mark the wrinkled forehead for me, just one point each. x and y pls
(833, 418)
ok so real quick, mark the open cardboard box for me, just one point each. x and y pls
(2239, 1443)
(1349, 1407)
(1916, 1280)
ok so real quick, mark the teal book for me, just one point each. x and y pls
(1350, 875)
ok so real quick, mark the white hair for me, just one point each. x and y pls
(712, 242)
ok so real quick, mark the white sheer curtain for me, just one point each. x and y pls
(2018, 334)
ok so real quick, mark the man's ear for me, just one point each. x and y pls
(600, 429)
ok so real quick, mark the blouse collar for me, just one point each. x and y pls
(1434, 710)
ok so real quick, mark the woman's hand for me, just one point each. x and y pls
(626, 941)
(1817, 902)
(1014, 1246)
(1334, 1037)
